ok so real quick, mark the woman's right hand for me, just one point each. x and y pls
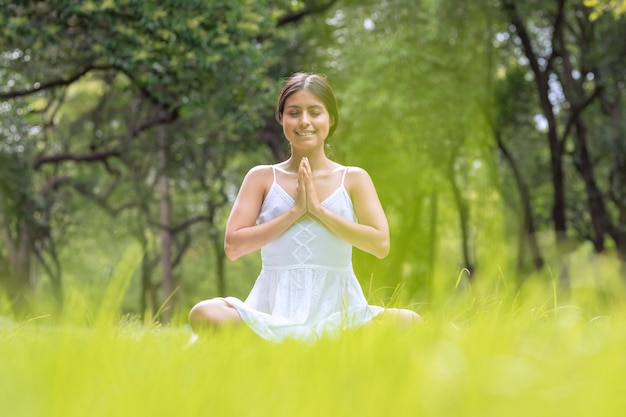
(301, 201)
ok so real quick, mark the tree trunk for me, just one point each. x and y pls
(597, 210)
(146, 300)
(555, 143)
(18, 266)
(464, 215)
(575, 95)
(167, 287)
(617, 177)
(53, 270)
(220, 258)
(528, 230)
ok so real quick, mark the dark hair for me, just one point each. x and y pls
(316, 84)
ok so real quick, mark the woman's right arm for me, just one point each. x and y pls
(243, 235)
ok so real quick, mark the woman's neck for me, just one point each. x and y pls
(317, 161)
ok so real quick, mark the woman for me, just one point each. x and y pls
(302, 213)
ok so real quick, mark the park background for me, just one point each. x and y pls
(494, 131)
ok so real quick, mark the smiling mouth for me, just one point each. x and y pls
(305, 133)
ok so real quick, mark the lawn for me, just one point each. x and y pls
(482, 353)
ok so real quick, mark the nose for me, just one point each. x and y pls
(304, 120)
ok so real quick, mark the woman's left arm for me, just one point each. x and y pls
(371, 233)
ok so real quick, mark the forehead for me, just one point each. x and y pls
(303, 98)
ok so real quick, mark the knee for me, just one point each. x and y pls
(413, 317)
(212, 313)
(410, 317)
(203, 314)
(404, 316)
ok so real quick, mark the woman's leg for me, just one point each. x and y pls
(402, 316)
(213, 313)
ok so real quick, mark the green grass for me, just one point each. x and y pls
(480, 353)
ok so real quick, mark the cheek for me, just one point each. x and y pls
(288, 127)
(288, 123)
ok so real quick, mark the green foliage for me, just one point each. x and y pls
(15, 148)
(413, 82)
(616, 7)
(178, 51)
(92, 78)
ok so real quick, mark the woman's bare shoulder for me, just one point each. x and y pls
(258, 179)
(358, 181)
(259, 173)
(357, 174)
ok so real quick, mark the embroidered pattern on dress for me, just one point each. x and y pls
(303, 237)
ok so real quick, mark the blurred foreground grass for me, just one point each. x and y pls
(480, 353)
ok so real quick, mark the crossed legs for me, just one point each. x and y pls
(216, 312)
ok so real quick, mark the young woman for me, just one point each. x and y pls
(305, 214)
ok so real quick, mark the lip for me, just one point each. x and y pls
(307, 133)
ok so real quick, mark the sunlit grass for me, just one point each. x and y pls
(475, 356)
(486, 350)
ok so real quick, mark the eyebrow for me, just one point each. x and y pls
(297, 107)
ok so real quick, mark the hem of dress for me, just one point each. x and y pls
(307, 333)
(347, 268)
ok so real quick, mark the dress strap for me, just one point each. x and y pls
(274, 172)
(343, 178)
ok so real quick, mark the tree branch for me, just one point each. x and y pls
(300, 14)
(62, 157)
(169, 117)
(183, 225)
(54, 83)
(577, 110)
(53, 184)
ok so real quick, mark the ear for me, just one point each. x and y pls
(280, 119)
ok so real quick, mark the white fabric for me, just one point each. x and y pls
(307, 285)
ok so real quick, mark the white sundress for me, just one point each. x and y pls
(307, 287)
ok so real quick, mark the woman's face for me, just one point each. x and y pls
(305, 120)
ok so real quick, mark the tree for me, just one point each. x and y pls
(512, 124)
(170, 56)
(574, 66)
(103, 79)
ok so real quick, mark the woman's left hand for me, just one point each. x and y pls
(312, 200)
